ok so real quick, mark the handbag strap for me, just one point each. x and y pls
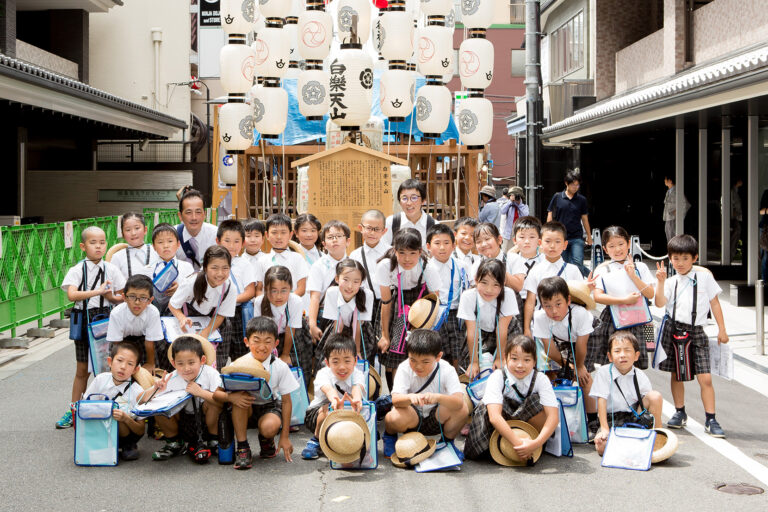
(101, 275)
(187, 247)
(562, 269)
(530, 387)
(430, 379)
(693, 305)
(367, 270)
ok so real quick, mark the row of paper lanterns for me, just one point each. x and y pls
(345, 90)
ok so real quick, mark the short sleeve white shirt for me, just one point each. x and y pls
(74, 277)
(103, 384)
(615, 281)
(460, 281)
(706, 290)
(420, 226)
(471, 302)
(185, 295)
(281, 379)
(122, 323)
(322, 274)
(518, 264)
(209, 379)
(372, 256)
(289, 259)
(446, 382)
(336, 308)
(290, 312)
(408, 278)
(325, 377)
(544, 327)
(142, 258)
(243, 274)
(546, 268)
(500, 385)
(604, 387)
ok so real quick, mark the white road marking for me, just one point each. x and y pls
(722, 446)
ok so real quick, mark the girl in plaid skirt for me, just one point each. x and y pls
(517, 391)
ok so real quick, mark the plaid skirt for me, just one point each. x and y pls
(82, 345)
(597, 346)
(480, 429)
(302, 343)
(699, 349)
(232, 334)
(453, 335)
(391, 359)
(489, 342)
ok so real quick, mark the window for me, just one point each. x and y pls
(518, 62)
(567, 47)
(516, 12)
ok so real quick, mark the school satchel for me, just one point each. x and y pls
(96, 432)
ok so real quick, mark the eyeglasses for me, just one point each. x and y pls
(375, 230)
(140, 300)
(410, 199)
(272, 291)
(333, 238)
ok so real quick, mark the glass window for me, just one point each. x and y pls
(567, 46)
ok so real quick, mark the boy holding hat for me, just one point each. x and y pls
(426, 395)
(272, 417)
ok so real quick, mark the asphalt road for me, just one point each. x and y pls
(38, 472)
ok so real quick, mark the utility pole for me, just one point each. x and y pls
(534, 107)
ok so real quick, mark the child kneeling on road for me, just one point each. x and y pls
(337, 382)
(423, 383)
(195, 375)
(118, 384)
(620, 388)
(517, 391)
(273, 417)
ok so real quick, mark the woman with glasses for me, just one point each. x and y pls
(412, 195)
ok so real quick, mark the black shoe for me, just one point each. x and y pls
(268, 448)
(130, 452)
(171, 449)
(243, 458)
(713, 428)
(678, 420)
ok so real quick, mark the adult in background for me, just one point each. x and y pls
(670, 208)
(736, 217)
(490, 211)
(513, 210)
(763, 235)
(195, 234)
(570, 208)
(412, 195)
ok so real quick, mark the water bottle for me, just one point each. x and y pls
(486, 361)
(226, 450)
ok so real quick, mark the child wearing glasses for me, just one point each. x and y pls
(412, 195)
(137, 321)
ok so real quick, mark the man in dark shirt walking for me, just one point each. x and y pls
(570, 208)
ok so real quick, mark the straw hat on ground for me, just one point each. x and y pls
(502, 450)
(145, 379)
(423, 313)
(114, 249)
(374, 383)
(665, 445)
(208, 349)
(581, 294)
(344, 436)
(248, 365)
(411, 449)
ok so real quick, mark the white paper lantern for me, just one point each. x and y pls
(474, 119)
(396, 35)
(272, 49)
(433, 110)
(228, 169)
(275, 8)
(236, 126)
(476, 63)
(315, 34)
(270, 110)
(436, 7)
(351, 85)
(345, 10)
(237, 16)
(237, 61)
(292, 28)
(312, 93)
(396, 94)
(477, 13)
(434, 50)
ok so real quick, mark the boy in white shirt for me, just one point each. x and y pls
(93, 285)
(372, 226)
(553, 243)
(231, 236)
(254, 240)
(137, 321)
(688, 297)
(464, 232)
(279, 234)
(117, 384)
(455, 278)
(337, 382)
(272, 417)
(523, 256)
(165, 242)
(620, 388)
(426, 396)
(335, 239)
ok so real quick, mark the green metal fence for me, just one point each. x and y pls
(35, 261)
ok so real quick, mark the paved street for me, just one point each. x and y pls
(39, 472)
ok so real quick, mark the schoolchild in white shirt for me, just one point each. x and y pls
(117, 384)
(553, 243)
(254, 240)
(688, 297)
(138, 257)
(335, 239)
(278, 235)
(93, 285)
(488, 311)
(517, 391)
(137, 321)
(306, 231)
(208, 293)
(621, 388)
(372, 226)
(165, 242)
(488, 242)
(464, 231)
(231, 236)
(524, 256)
(454, 278)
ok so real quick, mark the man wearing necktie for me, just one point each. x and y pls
(195, 235)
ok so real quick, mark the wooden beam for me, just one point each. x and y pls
(473, 185)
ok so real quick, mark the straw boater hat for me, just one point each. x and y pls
(114, 249)
(423, 312)
(296, 247)
(344, 436)
(374, 383)
(411, 449)
(665, 445)
(145, 379)
(580, 294)
(502, 450)
(247, 365)
(208, 349)
(469, 402)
